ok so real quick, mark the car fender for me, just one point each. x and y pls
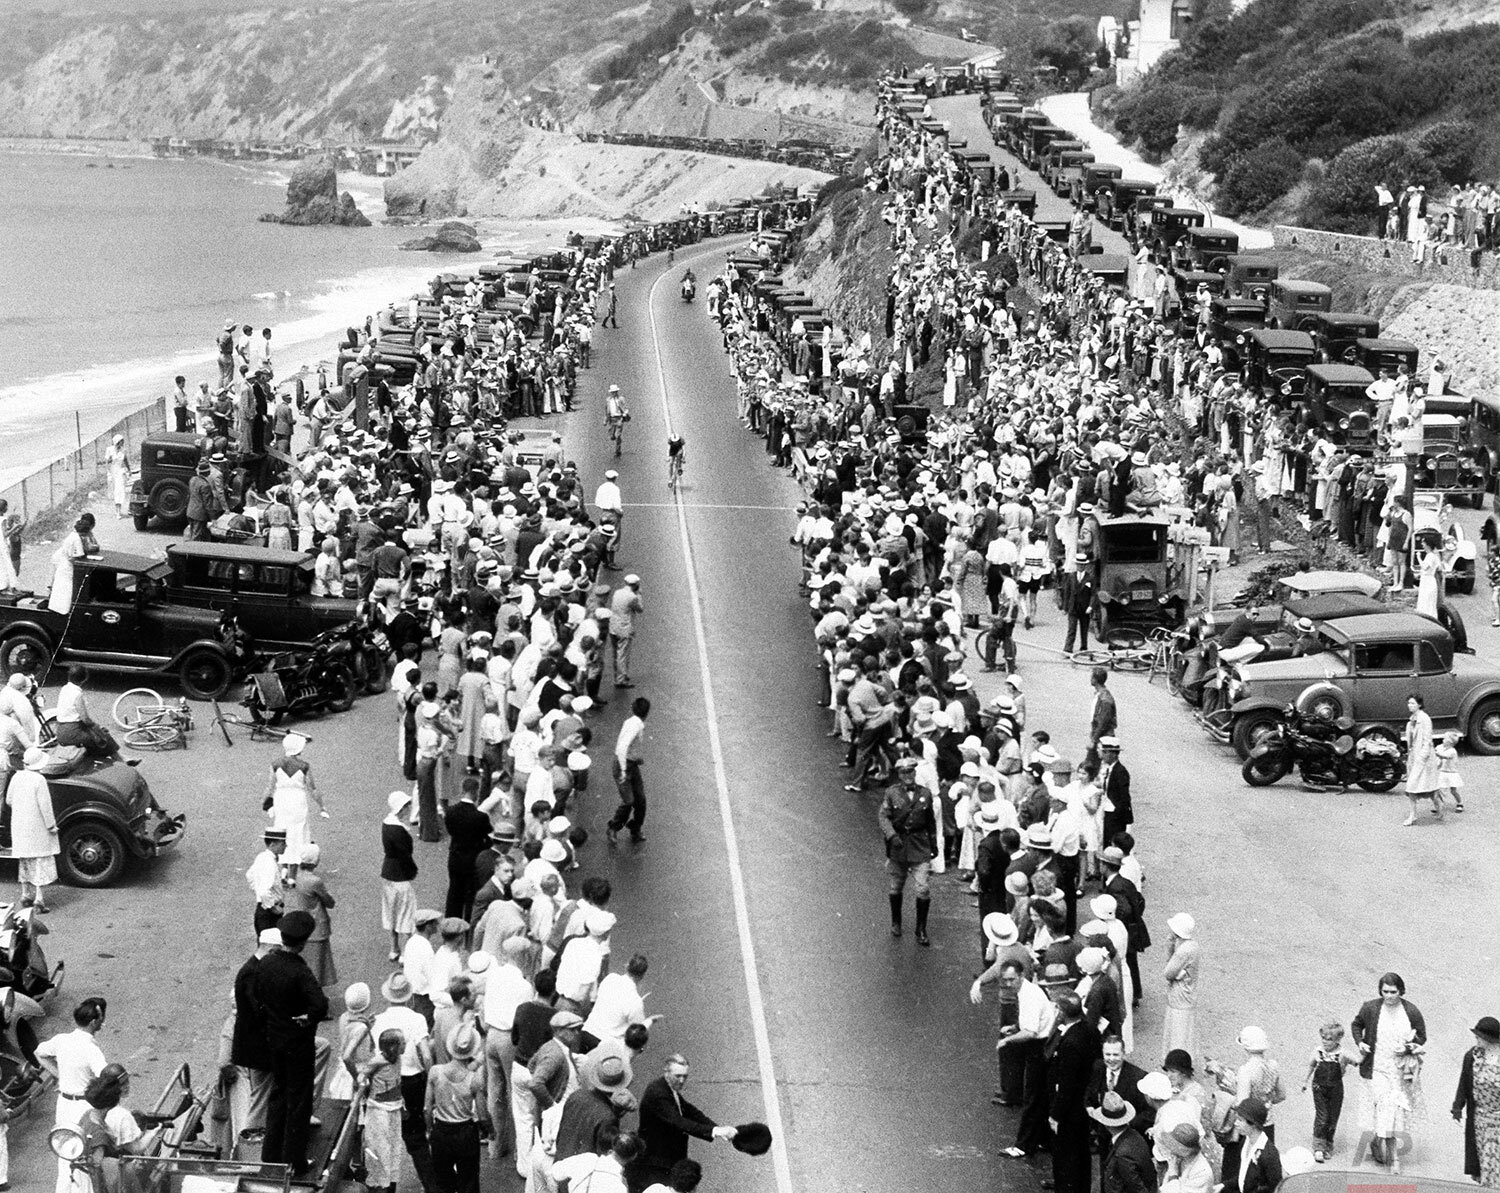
(1256, 704)
(95, 809)
(1471, 701)
(209, 644)
(28, 626)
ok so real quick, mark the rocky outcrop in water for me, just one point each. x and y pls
(452, 237)
(312, 197)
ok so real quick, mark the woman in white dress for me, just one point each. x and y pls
(80, 542)
(1429, 582)
(118, 461)
(288, 795)
(1421, 761)
(33, 826)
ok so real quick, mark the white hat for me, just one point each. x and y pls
(632, 579)
(1103, 906)
(999, 929)
(611, 475)
(293, 744)
(1254, 1039)
(1182, 925)
(1156, 1086)
(554, 851)
(397, 800)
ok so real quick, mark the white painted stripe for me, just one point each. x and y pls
(769, 1092)
(690, 505)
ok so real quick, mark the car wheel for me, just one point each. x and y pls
(1251, 728)
(142, 521)
(341, 680)
(92, 854)
(169, 501)
(1324, 700)
(1484, 727)
(1464, 582)
(25, 653)
(204, 675)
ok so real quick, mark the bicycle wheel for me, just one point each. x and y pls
(1092, 658)
(1132, 660)
(136, 707)
(152, 737)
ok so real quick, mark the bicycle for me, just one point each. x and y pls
(259, 731)
(675, 461)
(150, 723)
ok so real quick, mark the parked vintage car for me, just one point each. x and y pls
(1169, 226)
(1336, 334)
(1186, 283)
(1434, 525)
(268, 592)
(1230, 322)
(1207, 248)
(1274, 363)
(122, 620)
(1138, 219)
(1294, 304)
(1112, 268)
(106, 816)
(1374, 354)
(1135, 582)
(1094, 180)
(1335, 393)
(1367, 669)
(1115, 204)
(1251, 277)
(168, 460)
(1451, 464)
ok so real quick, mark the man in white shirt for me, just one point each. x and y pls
(618, 1004)
(1034, 1021)
(74, 1059)
(581, 961)
(505, 989)
(417, 956)
(416, 1057)
(1382, 391)
(587, 1172)
(611, 507)
(629, 755)
(625, 605)
(264, 877)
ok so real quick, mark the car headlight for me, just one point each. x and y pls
(1286, 388)
(1236, 688)
(1343, 424)
(1239, 339)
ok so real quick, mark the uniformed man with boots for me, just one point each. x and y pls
(908, 823)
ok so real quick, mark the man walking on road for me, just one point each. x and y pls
(624, 607)
(611, 507)
(629, 753)
(1103, 718)
(910, 830)
(668, 1120)
(609, 318)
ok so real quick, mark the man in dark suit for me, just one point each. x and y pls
(1103, 720)
(468, 835)
(1130, 906)
(1113, 1074)
(1259, 1166)
(292, 1004)
(1115, 780)
(1071, 1053)
(667, 1121)
(1125, 1164)
(1077, 596)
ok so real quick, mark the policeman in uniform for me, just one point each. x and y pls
(910, 829)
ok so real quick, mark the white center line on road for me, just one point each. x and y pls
(672, 505)
(769, 1093)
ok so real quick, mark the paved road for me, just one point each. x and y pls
(879, 1069)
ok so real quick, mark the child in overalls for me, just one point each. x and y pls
(1325, 1073)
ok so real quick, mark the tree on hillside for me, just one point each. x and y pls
(1345, 198)
(1070, 45)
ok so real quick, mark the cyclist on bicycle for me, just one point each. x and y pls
(676, 459)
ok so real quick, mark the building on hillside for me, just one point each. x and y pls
(1142, 42)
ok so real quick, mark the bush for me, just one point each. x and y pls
(1345, 199)
(741, 32)
(1450, 147)
(1258, 178)
(1149, 116)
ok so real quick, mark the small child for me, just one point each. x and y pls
(1450, 782)
(1325, 1073)
(381, 1075)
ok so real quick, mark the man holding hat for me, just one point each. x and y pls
(668, 1120)
(292, 1005)
(1125, 1164)
(909, 825)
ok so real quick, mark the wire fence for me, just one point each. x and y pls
(56, 483)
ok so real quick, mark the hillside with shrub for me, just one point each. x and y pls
(1298, 108)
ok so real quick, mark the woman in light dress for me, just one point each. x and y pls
(80, 542)
(355, 1043)
(289, 793)
(1429, 581)
(1421, 761)
(1179, 1027)
(1391, 1035)
(117, 458)
(328, 570)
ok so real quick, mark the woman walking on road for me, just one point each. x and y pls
(1391, 1035)
(1477, 1104)
(1421, 761)
(288, 793)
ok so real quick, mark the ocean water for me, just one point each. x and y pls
(118, 273)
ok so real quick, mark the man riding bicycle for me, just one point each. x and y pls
(676, 460)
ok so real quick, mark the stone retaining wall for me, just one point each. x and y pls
(1394, 257)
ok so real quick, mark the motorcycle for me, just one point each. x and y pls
(689, 290)
(369, 651)
(1325, 755)
(23, 962)
(22, 1080)
(304, 683)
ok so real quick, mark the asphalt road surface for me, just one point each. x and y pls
(759, 893)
